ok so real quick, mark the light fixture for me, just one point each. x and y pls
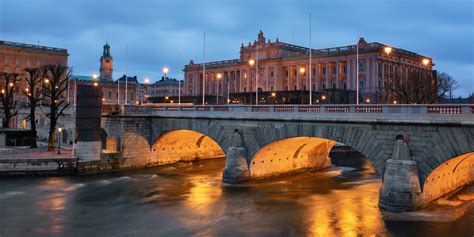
(219, 75)
(388, 50)
(251, 62)
(367, 100)
(273, 94)
(426, 61)
(302, 70)
(166, 70)
(323, 97)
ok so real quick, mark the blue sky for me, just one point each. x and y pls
(170, 32)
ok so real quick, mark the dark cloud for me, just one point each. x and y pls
(170, 33)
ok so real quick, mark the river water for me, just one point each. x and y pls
(188, 199)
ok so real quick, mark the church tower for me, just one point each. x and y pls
(106, 63)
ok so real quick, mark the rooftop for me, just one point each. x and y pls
(33, 47)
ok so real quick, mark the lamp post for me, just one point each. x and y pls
(145, 83)
(302, 71)
(387, 50)
(219, 76)
(251, 63)
(228, 89)
(59, 139)
(165, 71)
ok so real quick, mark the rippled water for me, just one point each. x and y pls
(190, 200)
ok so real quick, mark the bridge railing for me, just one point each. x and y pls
(418, 109)
(326, 108)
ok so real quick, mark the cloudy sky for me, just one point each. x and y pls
(170, 32)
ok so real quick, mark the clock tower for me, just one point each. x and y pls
(106, 63)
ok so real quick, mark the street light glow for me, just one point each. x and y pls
(273, 94)
(302, 70)
(251, 62)
(395, 102)
(219, 75)
(323, 97)
(388, 50)
(46, 80)
(367, 100)
(166, 70)
(426, 61)
(95, 84)
(94, 76)
(10, 84)
(147, 81)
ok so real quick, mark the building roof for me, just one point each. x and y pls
(33, 47)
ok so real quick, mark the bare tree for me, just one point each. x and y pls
(422, 88)
(33, 80)
(445, 85)
(7, 99)
(55, 86)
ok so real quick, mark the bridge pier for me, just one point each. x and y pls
(401, 186)
(236, 167)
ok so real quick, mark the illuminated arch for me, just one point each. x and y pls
(449, 176)
(184, 145)
(291, 154)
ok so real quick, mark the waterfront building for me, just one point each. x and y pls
(162, 89)
(284, 73)
(15, 57)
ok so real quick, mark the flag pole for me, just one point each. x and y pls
(204, 71)
(310, 65)
(357, 68)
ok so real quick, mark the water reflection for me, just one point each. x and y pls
(189, 200)
(51, 206)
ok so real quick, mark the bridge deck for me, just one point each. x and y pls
(454, 114)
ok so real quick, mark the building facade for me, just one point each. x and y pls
(162, 90)
(15, 57)
(285, 75)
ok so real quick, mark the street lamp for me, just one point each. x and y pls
(251, 63)
(94, 76)
(219, 76)
(387, 50)
(60, 129)
(425, 61)
(146, 81)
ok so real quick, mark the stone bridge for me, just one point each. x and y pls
(422, 151)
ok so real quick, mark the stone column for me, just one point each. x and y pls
(88, 116)
(401, 185)
(236, 168)
(316, 76)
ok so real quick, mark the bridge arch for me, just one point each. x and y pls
(291, 154)
(183, 145)
(362, 138)
(449, 176)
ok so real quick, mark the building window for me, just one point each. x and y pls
(333, 85)
(295, 88)
(344, 69)
(334, 70)
(286, 73)
(324, 85)
(314, 87)
(361, 67)
(361, 85)
(271, 88)
(271, 73)
(324, 71)
(345, 85)
(314, 71)
(296, 72)
(380, 85)
(110, 94)
(245, 89)
(286, 88)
